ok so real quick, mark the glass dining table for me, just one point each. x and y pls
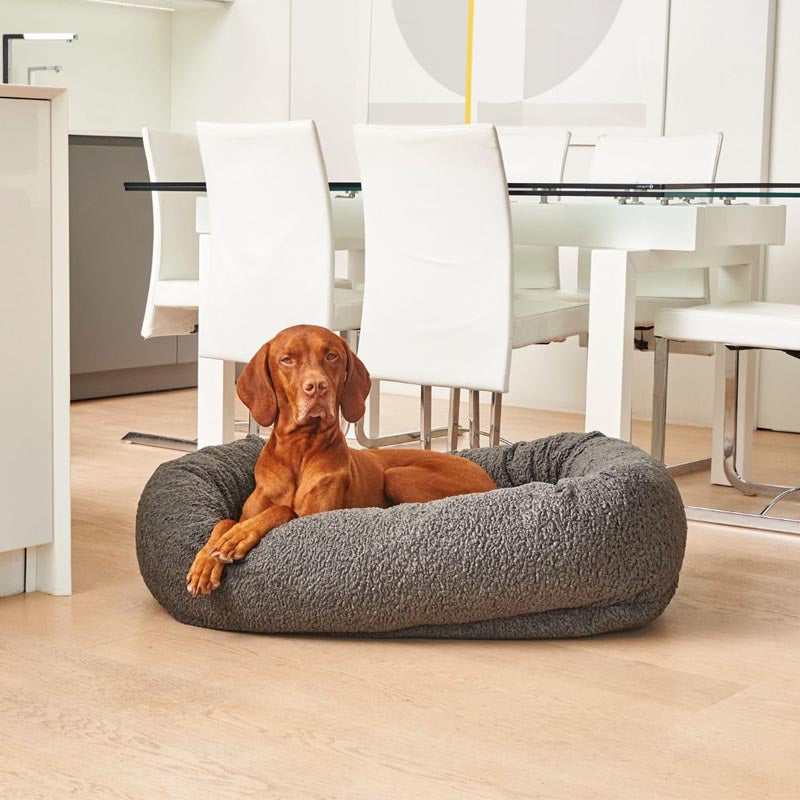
(630, 229)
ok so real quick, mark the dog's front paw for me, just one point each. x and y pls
(205, 575)
(234, 544)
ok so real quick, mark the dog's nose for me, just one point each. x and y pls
(315, 386)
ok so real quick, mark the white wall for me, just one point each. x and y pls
(231, 63)
(117, 72)
(330, 75)
(275, 59)
(719, 78)
(780, 374)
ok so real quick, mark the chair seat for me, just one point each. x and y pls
(545, 315)
(347, 305)
(648, 307)
(772, 326)
(177, 294)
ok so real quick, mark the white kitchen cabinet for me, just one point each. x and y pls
(34, 341)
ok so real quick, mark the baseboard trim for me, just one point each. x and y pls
(113, 383)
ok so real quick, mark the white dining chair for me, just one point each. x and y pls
(657, 159)
(173, 291)
(172, 296)
(271, 261)
(532, 156)
(439, 303)
(735, 326)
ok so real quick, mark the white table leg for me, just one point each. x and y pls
(373, 415)
(612, 306)
(215, 401)
(735, 283)
(355, 273)
(355, 267)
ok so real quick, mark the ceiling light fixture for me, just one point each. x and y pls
(132, 5)
(51, 37)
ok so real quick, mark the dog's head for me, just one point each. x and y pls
(304, 376)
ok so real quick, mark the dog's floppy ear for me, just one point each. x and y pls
(255, 388)
(356, 388)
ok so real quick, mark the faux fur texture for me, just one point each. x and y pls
(586, 535)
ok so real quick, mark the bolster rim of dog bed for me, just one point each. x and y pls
(586, 535)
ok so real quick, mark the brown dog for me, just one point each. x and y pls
(297, 382)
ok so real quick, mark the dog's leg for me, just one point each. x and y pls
(239, 539)
(423, 483)
(206, 571)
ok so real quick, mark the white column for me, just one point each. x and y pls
(355, 267)
(215, 401)
(612, 305)
(215, 378)
(355, 274)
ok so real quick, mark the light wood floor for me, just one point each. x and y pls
(102, 695)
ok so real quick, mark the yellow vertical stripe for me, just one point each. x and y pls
(468, 79)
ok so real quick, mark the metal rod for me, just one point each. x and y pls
(660, 376)
(394, 439)
(689, 467)
(167, 442)
(729, 466)
(452, 419)
(545, 188)
(742, 520)
(619, 191)
(494, 419)
(780, 498)
(425, 403)
(474, 418)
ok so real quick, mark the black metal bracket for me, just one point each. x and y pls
(7, 39)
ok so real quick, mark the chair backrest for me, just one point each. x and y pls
(656, 159)
(271, 246)
(530, 155)
(171, 156)
(660, 159)
(437, 301)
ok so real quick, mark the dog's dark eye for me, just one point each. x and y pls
(287, 361)
(332, 356)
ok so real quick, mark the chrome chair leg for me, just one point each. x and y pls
(392, 439)
(252, 425)
(659, 427)
(452, 419)
(426, 401)
(660, 398)
(732, 473)
(494, 422)
(474, 418)
(370, 442)
(776, 492)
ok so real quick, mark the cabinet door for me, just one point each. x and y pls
(26, 411)
(111, 246)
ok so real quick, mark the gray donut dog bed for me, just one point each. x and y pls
(586, 535)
